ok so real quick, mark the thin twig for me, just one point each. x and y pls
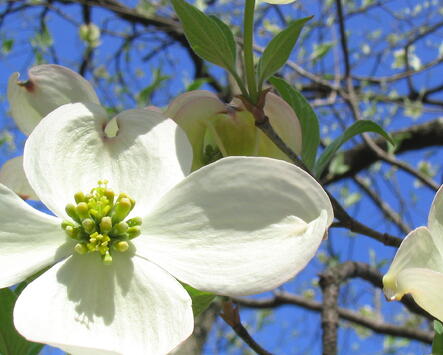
(382, 205)
(285, 298)
(231, 316)
(351, 99)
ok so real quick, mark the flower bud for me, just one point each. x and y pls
(216, 129)
(106, 225)
(121, 246)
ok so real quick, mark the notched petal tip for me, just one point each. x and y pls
(325, 236)
(28, 85)
(14, 80)
(390, 288)
(48, 87)
(391, 295)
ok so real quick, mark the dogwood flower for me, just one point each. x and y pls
(48, 87)
(129, 222)
(418, 265)
(218, 130)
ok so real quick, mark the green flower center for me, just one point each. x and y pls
(99, 222)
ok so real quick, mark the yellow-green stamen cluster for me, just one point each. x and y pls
(99, 222)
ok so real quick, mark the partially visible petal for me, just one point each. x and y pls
(237, 134)
(13, 176)
(85, 307)
(425, 286)
(69, 152)
(187, 100)
(29, 240)
(284, 121)
(238, 226)
(435, 220)
(192, 112)
(48, 87)
(418, 250)
(233, 130)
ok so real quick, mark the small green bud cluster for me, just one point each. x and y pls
(99, 222)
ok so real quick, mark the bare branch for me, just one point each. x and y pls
(231, 316)
(330, 281)
(382, 205)
(376, 325)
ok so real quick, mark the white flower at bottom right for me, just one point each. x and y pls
(417, 268)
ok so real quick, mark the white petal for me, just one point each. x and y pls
(435, 220)
(417, 250)
(284, 121)
(192, 111)
(49, 86)
(188, 100)
(13, 176)
(29, 240)
(425, 286)
(69, 152)
(85, 307)
(238, 226)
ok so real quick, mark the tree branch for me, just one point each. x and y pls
(330, 281)
(382, 205)
(231, 316)
(378, 326)
(416, 137)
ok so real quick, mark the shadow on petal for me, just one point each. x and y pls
(91, 285)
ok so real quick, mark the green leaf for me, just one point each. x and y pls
(11, 342)
(356, 128)
(43, 39)
(321, 50)
(200, 299)
(352, 199)
(209, 38)
(227, 32)
(337, 165)
(7, 45)
(308, 119)
(144, 96)
(278, 50)
(197, 84)
(438, 327)
(437, 343)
